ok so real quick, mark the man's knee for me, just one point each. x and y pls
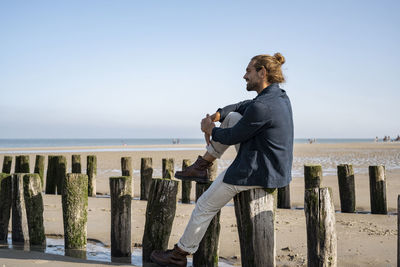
(232, 118)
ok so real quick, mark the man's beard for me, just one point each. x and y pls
(252, 86)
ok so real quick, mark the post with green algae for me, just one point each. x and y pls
(76, 166)
(91, 171)
(56, 172)
(61, 172)
(255, 216)
(186, 185)
(5, 205)
(74, 207)
(377, 189)
(22, 164)
(34, 209)
(51, 176)
(20, 231)
(168, 168)
(7, 164)
(39, 168)
(321, 230)
(207, 253)
(127, 169)
(160, 214)
(284, 197)
(146, 176)
(346, 188)
(312, 176)
(121, 198)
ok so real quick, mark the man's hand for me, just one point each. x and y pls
(208, 120)
(207, 125)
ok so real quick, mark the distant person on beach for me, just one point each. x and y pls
(261, 130)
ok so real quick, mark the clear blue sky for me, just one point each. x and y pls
(155, 68)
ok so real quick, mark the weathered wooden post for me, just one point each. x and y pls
(126, 166)
(5, 205)
(312, 176)
(160, 213)
(377, 189)
(56, 172)
(76, 164)
(91, 171)
(121, 197)
(34, 209)
(284, 197)
(146, 175)
(51, 176)
(346, 188)
(20, 231)
(74, 206)
(255, 216)
(22, 164)
(186, 185)
(39, 167)
(7, 164)
(61, 172)
(321, 231)
(207, 253)
(168, 168)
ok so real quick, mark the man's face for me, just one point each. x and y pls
(253, 78)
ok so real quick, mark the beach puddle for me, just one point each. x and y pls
(95, 251)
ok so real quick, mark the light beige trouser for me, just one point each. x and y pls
(216, 196)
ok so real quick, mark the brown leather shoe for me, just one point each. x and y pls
(170, 258)
(198, 171)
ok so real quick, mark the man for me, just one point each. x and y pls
(261, 130)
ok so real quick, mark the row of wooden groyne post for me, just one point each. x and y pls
(21, 193)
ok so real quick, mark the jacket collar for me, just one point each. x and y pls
(270, 89)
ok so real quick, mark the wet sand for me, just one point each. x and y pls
(363, 239)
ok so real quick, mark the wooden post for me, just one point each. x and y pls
(168, 168)
(91, 171)
(346, 188)
(5, 205)
(255, 216)
(56, 172)
(146, 175)
(34, 209)
(377, 189)
(284, 197)
(321, 231)
(61, 172)
(312, 176)
(126, 166)
(22, 164)
(121, 197)
(39, 168)
(20, 231)
(207, 253)
(186, 185)
(7, 164)
(51, 176)
(76, 164)
(74, 206)
(160, 213)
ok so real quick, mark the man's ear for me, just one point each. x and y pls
(263, 73)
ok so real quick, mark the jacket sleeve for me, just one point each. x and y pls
(254, 118)
(238, 107)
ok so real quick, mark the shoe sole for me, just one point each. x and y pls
(195, 179)
(160, 264)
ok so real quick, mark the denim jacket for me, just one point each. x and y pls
(265, 134)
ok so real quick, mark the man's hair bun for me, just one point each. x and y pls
(280, 58)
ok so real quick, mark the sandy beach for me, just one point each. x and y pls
(363, 239)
